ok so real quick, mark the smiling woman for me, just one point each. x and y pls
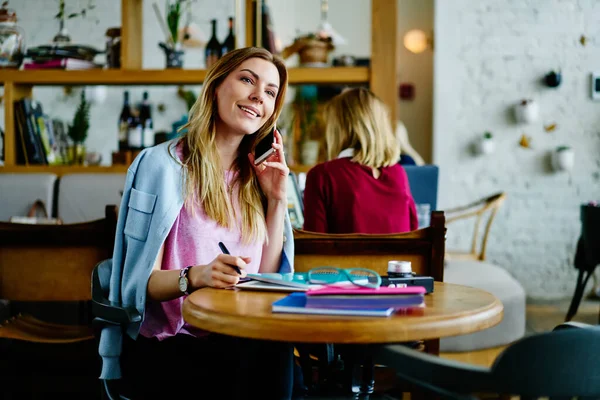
(192, 193)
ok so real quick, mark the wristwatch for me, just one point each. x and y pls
(184, 283)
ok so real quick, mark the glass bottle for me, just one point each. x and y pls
(213, 47)
(124, 121)
(12, 39)
(229, 43)
(146, 121)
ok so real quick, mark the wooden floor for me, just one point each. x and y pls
(541, 317)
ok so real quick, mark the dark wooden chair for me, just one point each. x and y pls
(559, 364)
(424, 248)
(45, 270)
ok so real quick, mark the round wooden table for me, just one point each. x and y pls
(450, 310)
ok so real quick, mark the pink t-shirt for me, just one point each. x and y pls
(193, 240)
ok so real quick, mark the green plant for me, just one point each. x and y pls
(562, 148)
(188, 96)
(307, 112)
(61, 11)
(487, 135)
(174, 13)
(78, 130)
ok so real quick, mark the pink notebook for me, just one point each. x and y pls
(353, 290)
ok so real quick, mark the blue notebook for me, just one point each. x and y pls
(295, 303)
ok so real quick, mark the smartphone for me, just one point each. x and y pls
(263, 149)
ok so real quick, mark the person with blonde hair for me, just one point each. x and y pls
(362, 188)
(181, 199)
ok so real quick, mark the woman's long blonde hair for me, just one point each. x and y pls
(358, 119)
(205, 176)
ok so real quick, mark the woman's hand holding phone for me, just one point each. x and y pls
(272, 173)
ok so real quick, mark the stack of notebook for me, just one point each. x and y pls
(352, 300)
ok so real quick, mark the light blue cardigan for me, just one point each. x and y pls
(152, 199)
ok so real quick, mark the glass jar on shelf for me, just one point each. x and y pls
(113, 47)
(12, 39)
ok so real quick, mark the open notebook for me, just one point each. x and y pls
(292, 282)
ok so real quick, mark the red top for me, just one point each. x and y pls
(342, 196)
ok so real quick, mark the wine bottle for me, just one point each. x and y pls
(134, 133)
(146, 122)
(124, 121)
(213, 47)
(229, 43)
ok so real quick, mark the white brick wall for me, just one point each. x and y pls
(489, 54)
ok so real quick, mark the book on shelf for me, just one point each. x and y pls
(295, 303)
(69, 64)
(35, 140)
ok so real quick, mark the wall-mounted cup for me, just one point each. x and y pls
(563, 158)
(553, 79)
(486, 145)
(526, 112)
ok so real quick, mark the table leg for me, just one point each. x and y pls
(361, 370)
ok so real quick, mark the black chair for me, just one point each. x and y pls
(563, 363)
(107, 313)
(587, 256)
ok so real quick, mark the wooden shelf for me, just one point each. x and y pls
(79, 169)
(331, 75)
(381, 76)
(297, 168)
(62, 169)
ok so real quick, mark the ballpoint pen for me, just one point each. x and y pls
(225, 251)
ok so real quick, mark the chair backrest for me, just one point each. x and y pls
(18, 192)
(423, 247)
(53, 262)
(82, 197)
(423, 181)
(480, 209)
(558, 363)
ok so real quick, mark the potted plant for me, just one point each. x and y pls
(563, 158)
(312, 49)
(526, 111)
(306, 114)
(486, 143)
(171, 26)
(78, 130)
(62, 37)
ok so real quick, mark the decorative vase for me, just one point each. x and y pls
(526, 111)
(314, 52)
(309, 152)
(76, 154)
(563, 159)
(12, 40)
(174, 57)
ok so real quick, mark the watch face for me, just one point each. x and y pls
(183, 284)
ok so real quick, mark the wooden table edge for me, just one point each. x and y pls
(296, 328)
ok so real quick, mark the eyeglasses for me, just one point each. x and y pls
(362, 277)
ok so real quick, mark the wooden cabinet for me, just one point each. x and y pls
(381, 76)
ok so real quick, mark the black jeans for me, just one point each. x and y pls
(184, 366)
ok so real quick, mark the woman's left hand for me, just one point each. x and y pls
(272, 173)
